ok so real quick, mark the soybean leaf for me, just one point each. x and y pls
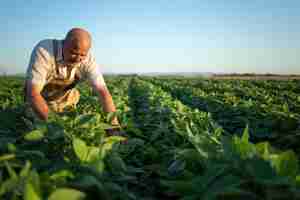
(93, 154)
(25, 170)
(66, 193)
(35, 135)
(286, 163)
(85, 119)
(30, 193)
(11, 171)
(110, 141)
(80, 148)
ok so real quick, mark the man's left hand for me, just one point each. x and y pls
(115, 121)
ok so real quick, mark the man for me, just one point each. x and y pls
(54, 69)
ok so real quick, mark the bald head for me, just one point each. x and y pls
(79, 35)
(76, 45)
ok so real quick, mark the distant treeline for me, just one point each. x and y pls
(254, 74)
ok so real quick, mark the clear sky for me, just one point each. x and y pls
(260, 36)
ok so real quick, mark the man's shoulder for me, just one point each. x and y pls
(46, 44)
(45, 48)
(42, 54)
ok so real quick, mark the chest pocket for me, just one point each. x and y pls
(61, 80)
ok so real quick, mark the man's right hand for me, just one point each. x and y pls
(37, 102)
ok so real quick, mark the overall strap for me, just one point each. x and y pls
(55, 53)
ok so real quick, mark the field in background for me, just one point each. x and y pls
(182, 138)
(256, 77)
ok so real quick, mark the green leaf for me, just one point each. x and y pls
(105, 126)
(35, 135)
(116, 163)
(286, 163)
(66, 193)
(25, 170)
(11, 171)
(243, 147)
(85, 119)
(228, 148)
(245, 137)
(263, 149)
(11, 148)
(62, 174)
(236, 193)
(93, 154)
(35, 180)
(86, 182)
(109, 142)
(30, 193)
(110, 116)
(227, 183)
(176, 167)
(55, 132)
(7, 157)
(190, 155)
(38, 154)
(285, 108)
(80, 148)
(298, 180)
(98, 165)
(8, 185)
(258, 168)
(183, 187)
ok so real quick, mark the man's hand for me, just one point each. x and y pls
(115, 121)
(107, 102)
(37, 102)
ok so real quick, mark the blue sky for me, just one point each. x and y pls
(161, 36)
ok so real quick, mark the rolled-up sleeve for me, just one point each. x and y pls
(39, 65)
(93, 72)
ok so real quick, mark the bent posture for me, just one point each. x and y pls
(55, 68)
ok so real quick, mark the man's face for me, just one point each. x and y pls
(75, 51)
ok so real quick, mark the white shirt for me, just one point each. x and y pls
(42, 65)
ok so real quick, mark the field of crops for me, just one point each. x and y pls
(182, 138)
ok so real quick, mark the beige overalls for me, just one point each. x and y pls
(59, 92)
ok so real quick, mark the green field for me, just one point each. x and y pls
(183, 138)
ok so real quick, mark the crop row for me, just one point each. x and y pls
(265, 119)
(68, 157)
(264, 91)
(172, 151)
(208, 164)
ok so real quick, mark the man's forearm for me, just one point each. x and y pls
(40, 107)
(38, 103)
(106, 101)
